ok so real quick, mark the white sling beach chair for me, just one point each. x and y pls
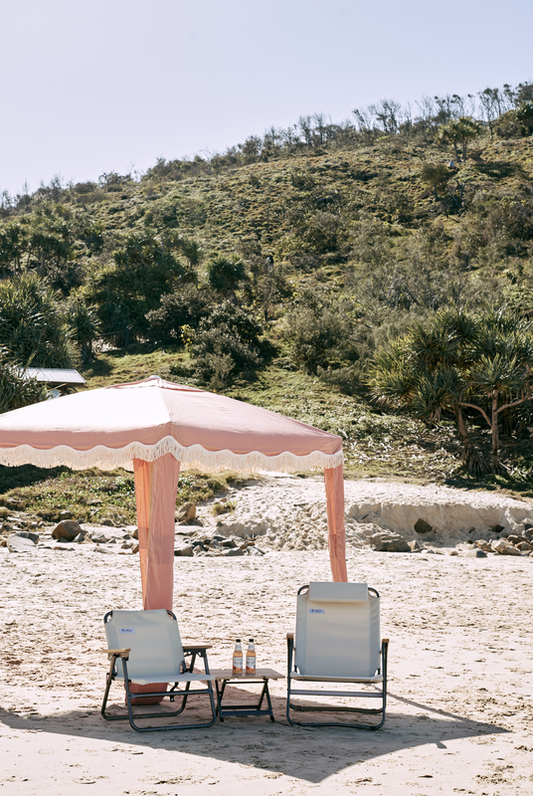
(145, 648)
(337, 641)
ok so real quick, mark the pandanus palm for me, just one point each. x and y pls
(459, 363)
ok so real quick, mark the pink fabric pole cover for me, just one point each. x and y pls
(156, 485)
(334, 482)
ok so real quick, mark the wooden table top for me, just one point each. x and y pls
(227, 674)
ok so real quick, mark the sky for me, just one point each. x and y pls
(111, 85)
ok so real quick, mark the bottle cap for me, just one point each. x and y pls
(252, 640)
(237, 640)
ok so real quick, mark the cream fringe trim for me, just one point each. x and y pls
(194, 458)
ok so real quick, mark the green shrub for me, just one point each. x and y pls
(184, 307)
(226, 345)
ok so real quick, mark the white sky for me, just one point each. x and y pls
(110, 85)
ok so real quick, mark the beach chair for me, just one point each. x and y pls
(337, 641)
(145, 648)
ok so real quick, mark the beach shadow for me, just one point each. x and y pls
(310, 754)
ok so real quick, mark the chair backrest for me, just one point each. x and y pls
(337, 630)
(153, 638)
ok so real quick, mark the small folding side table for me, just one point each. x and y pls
(224, 676)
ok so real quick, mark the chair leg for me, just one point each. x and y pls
(131, 717)
(377, 711)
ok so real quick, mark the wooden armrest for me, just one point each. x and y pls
(119, 653)
(193, 647)
(384, 640)
(290, 636)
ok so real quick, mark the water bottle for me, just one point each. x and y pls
(237, 658)
(250, 658)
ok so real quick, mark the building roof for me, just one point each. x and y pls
(54, 376)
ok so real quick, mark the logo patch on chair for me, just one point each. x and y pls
(126, 630)
(317, 610)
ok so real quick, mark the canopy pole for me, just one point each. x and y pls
(156, 486)
(334, 482)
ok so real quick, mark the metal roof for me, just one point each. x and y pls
(54, 375)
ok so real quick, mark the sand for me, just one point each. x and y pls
(459, 718)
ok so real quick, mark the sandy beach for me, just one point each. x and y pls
(459, 720)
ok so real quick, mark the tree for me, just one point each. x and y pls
(12, 246)
(184, 308)
(225, 274)
(225, 345)
(83, 320)
(524, 114)
(459, 131)
(32, 325)
(436, 175)
(15, 389)
(144, 268)
(461, 363)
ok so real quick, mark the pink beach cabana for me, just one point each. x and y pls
(158, 428)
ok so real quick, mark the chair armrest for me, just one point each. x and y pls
(124, 653)
(290, 635)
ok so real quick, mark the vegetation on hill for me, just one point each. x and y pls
(301, 270)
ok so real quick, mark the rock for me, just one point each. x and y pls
(421, 526)
(496, 528)
(67, 529)
(389, 542)
(505, 548)
(528, 532)
(29, 535)
(524, 546)
(245, 527)
(235, 551)
(256, 551)
(214, 545)
(414, 547)
(197, 543)
(135, 533)
(135, 548)
(456, 552)
(186, 512)
(184, 550)
(229, 543)
(482, 544)
(65, 515)
(477, 553)
(514, 538)
(83, 538)
(99, 538)
(109, 550)
(20, 544)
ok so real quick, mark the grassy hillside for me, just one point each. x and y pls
(332, 244)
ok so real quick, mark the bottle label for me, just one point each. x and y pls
(237, 664)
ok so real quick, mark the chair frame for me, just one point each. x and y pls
(379, 693)
(192, 650)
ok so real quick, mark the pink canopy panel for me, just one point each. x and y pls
(156, 428)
